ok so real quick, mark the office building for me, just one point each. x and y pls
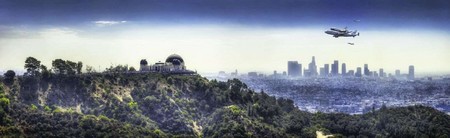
(252, 74)
(326, 69)
(344, 69)
(351, 73)
(322, 72)
(294, 69)
(312, 68)
(358, 72)
(366, 70)
(335, 68)
(397, 73)
(411, 72)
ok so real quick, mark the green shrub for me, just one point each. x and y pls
(57, 110)
(4, 102)
(132, 105)
(160, 133)
(47, 109)
(102, 117)
(33, 107)
(235, 109)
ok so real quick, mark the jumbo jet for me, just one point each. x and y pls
(336, 32)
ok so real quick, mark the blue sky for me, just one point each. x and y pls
(374, 13)
(248, 35)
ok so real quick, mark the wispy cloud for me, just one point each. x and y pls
(7, 32)
(108, 23)
(60, 33)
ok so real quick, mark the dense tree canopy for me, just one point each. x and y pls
(9, 77)
(59, 66)
(132, 69)
(90, 69)
(66, 67)
(46, 74)
(79, 67)
(32, 65)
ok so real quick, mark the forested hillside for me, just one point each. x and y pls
(161, 105)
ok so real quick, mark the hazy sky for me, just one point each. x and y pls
(257, 35)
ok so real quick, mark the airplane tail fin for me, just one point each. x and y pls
(356, 32)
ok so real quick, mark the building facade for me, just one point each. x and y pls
(173, 64)
(326, 68)
(335, 68)
(294, 69)
(411, 72)
(312, 68)
(366, 70)
(344, 69)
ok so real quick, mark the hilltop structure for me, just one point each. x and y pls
(174, 64)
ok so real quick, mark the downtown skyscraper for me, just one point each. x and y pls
(312, 68)
(358, 72)
(411, 72)
(382, 74)
(366, 70)
(294, 69)
(344, 69)
(326, 68)
(335, 68)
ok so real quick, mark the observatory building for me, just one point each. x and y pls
(174, 64)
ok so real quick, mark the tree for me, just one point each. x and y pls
(79, 67)
(45, 73)
(132, 69)
(9, 77)
(59, 66)
(71, 67)
(66, 67)
(89, 69)
(117, 69)
(32, 65)
(43, 68)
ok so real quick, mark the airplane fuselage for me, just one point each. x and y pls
(341, 33)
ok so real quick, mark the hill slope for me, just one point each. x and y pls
(99, 105)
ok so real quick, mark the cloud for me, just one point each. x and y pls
(27, 32)
(16, 32)
(108, 23)
(59, 33)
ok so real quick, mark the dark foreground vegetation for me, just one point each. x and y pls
(155, 105)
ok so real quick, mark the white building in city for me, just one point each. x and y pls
(173, 64)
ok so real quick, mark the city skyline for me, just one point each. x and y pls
(294, 70)
(326, 66)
